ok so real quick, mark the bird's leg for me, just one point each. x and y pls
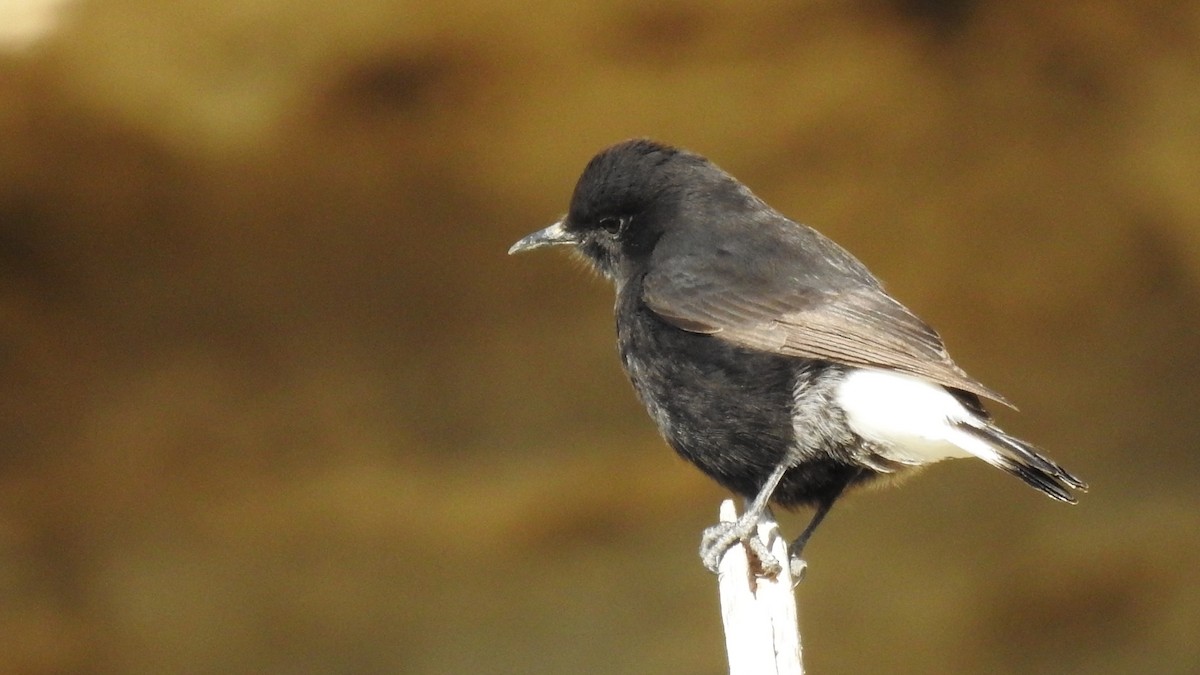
(797, 564)
(720, 537)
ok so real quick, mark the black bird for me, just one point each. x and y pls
(770, 357)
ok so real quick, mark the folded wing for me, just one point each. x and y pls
(795, 303)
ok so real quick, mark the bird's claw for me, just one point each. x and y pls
(798, 568)
(721, 537)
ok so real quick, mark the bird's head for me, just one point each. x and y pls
(628, 196)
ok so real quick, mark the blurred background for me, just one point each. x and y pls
(275, 400)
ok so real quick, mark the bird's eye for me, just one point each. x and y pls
(611, 224)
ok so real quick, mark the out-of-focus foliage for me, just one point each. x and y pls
(274, 399)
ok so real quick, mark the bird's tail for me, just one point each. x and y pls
(1020, 459)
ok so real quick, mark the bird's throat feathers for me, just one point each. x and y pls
(598, 257)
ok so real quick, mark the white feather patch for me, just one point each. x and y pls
(912, 420)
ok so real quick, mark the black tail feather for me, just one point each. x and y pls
(1027, 463)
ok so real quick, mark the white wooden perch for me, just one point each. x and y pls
(762, 634)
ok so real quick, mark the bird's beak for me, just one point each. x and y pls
(555, 234)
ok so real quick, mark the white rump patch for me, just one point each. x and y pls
(911, 419)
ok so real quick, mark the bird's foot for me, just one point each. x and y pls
(797, 567)
(721, 537)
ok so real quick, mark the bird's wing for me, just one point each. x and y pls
(757, 304)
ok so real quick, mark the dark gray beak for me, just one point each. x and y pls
(555, 234)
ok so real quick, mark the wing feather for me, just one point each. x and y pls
(845, 321)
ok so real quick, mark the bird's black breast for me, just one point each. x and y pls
(727, 409)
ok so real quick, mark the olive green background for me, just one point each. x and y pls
(274, 400)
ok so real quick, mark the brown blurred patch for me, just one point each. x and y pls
(274, 398)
